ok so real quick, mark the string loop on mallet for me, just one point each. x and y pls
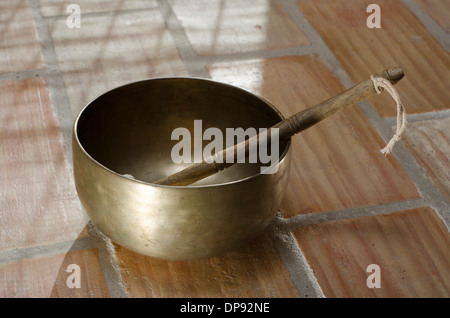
(380, 82)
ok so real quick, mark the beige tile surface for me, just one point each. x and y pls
(52, 276)
(236, 26)
(335, 165)
(402, 41)
(38, 201)
(20, 49)
(110, 51)
(412, 249)
(254, 270)
(429, 143)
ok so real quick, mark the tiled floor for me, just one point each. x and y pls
(347, 206)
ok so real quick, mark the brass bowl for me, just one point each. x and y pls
(128, 131)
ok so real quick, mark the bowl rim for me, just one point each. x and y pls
(244, 90)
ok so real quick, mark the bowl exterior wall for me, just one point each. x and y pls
(177, 223)
(121, 132)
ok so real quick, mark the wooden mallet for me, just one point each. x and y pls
(286, 129)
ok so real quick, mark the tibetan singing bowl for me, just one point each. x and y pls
(127, 131)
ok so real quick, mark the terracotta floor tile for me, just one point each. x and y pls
(438, 10)
(49, 276)
(402, 41)
(429, 143)
(58, 7)
(335, 165)
(109, 51)
(234, 26)
(255, 270)
(38, 201)
(412, 249)
(19, 44)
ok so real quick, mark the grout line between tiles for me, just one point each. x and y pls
(11, 76)
(292, 223)
(194, 66)
(55, 81)
(109, 263)
(435, 29)
(424, 185)
(254, 55)
(45, 250)
(442, 114)
(292, 257)
(64, 15)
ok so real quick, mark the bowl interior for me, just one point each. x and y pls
(128, 130)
